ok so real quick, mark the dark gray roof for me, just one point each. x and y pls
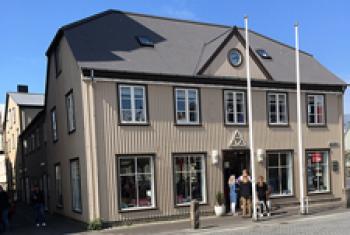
(27, 99)
(107, 41)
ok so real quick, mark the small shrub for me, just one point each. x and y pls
(219, 198)
(95, 224)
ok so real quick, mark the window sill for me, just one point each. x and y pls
(189, 204)
(281, 196)
(236, 124)
(134, 124)
(317, 125)
(78, 211)
(188, 124)
(137, 209)
(278, 125)
(318, 193)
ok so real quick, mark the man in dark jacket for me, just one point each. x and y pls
(38, 204)
(4, 208)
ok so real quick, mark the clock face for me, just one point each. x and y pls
(235, 57)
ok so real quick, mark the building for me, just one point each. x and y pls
(3, 179)
(20, 109)
(145, 113)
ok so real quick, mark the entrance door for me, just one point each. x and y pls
(234, 161)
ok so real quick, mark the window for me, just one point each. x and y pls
(317, 171)
(54, 125)
(316, 110)
(145, 41)
(70, 112)
(58, 185)
(75, 184)
(235, 109)
(263, 54)
(280, 173)
(277, 108)
(132, 103)
(136, 187)
(58, 59)
(187, 106)
(189, 175)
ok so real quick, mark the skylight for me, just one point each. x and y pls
(145, 41)
(263, 53)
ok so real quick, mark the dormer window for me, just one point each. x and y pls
(263, 54)
(145, 41)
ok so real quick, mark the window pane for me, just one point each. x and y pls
(126, 115)
(274, 182)
(144, 190)
(317, 170)
(181, 164)
(193, 117)
(196, 186)
(192, 105)
(128, 192)
(144, 165)
(182, 184)
(181, 105)
(138, 104)
(140, 116)
(125, 92)
(181, 116)
(138, 92)
(126, 104)
(180, 94)
(192, 94)
(127, 166)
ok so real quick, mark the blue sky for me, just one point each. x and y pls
(27, 28)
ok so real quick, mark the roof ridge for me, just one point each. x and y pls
(276, 41)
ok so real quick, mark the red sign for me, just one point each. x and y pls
(316, 157)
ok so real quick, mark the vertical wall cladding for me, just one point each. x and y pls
(71, 145)
(163, 138)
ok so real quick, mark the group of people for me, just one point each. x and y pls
(7, 208)
(241, 193)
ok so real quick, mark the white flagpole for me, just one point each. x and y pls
(299, 120)
(250, 117)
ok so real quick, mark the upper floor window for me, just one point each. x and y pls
(54, 125)
(277, 108)
(58, 59)
(316, 110)
(70, 112)
(132, 104)
(187, 106)
(234, 106)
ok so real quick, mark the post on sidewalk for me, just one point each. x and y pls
(194, 214)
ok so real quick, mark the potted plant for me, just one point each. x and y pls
(219, 205)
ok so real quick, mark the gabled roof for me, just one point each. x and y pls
(106, 41)
(27, 99)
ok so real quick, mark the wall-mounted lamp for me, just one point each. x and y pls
(215, 157)
(260, 155)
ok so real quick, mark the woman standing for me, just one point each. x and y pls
(233, 193)
(245, 187)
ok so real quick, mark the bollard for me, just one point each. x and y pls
(194, 214)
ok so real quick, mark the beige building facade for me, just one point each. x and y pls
(139, 125)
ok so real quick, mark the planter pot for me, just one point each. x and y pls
(219, 210)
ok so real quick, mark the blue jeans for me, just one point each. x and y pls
(39, 213)
(5, 219)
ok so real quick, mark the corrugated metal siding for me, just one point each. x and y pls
(163, 138)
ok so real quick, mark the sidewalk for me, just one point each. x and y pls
(212, 223)
(23, 223)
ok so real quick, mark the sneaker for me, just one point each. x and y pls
(268, 214)
(38, 225)
(43, 224)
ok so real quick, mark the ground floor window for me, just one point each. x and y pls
(75, 185)
(189, 175)
(58, 185)
(280, 173)
(317, 171)
(136, 182)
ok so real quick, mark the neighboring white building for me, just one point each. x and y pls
(3, 179)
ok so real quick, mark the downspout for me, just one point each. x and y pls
(92, 162)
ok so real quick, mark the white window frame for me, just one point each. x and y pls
(58, 187)
(70, 109)
(280, 167)
(278, 112)
(317, 98)
(135, 174)
(132, 98)
(203, 176)
(235, 114)
(187, 121)
(327, 167)
(75, 207)
(54, 124)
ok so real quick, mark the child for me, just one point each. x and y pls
(262, 191)
(233, 193)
